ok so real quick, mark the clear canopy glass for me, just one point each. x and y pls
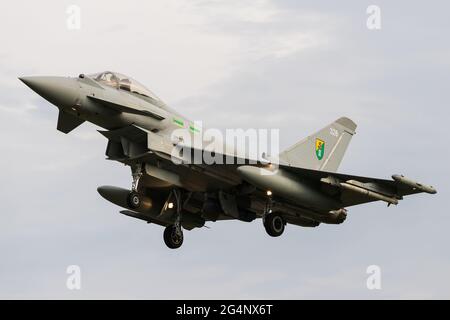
(122, 82)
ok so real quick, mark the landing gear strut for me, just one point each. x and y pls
(273, 222)
(134, 200)
(173, 234)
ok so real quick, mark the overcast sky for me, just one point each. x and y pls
(292, 65)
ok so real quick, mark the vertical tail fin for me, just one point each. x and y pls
(324, 149)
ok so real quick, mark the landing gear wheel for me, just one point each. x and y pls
(172, 238)
(274, 224)
(134, 201)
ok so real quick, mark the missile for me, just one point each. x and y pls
(368, 193)
(413, 184)
(280, 182)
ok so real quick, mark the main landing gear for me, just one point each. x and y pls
(172, 238)
(273, 222)
(173, 234)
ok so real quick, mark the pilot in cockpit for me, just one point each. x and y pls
(109, 78)
(122, 82)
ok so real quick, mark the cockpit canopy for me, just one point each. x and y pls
(122, 82)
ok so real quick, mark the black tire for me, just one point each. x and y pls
(171, 238)
(134, 201)
(274, 224)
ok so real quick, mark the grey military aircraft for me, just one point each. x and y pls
(303, 189)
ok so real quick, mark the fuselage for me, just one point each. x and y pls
(80, 97)
(114, 102)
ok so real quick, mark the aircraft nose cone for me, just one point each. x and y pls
(61, 91)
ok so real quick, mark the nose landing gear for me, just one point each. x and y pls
(134, 200)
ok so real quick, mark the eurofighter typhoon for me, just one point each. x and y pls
(301, 188)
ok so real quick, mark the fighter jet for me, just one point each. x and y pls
(302, 188)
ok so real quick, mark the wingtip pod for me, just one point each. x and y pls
(413, 184)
